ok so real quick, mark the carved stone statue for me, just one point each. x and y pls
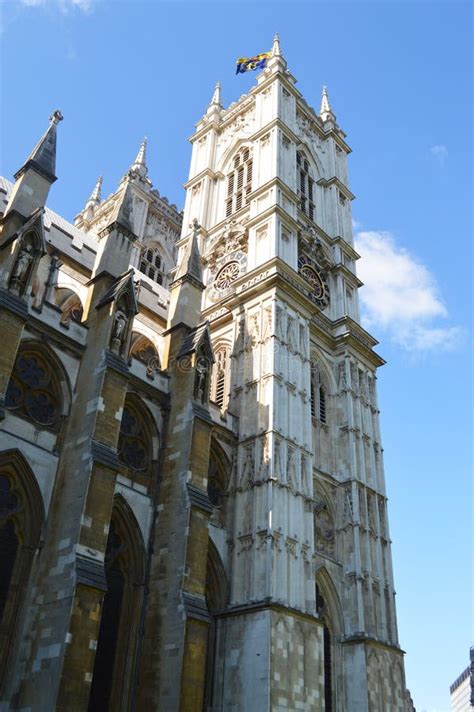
(21, 268)
(201, 380)
(119, 331)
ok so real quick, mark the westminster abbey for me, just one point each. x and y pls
(192, 499)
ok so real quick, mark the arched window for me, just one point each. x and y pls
(318, 396)
(239, 181)
(220, 377)
(327, 650)
(216, 599)
(135, 445)
(34, 390)
(305, 185)
(70, 305)
(218, 478)
(21, 522)
(152, 264)
(115, 659)
(144, 350)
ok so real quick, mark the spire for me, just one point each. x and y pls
(326, 112)
(122, 214)
(191, 265)
(96, 195)
(276, 51)
(139, 165)
(43, 156)
(216, 97)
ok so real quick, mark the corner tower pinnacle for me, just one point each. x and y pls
(139, 165)
(36, 175)
(43, 156)
(326, 111)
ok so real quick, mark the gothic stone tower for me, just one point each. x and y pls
(192, 501)
(302, 533)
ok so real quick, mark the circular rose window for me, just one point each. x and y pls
(227, 275)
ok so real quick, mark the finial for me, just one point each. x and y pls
(325, 111)
(191, 261)
(96, 195)
(139, 164)
(216, 97)
(56, 117)
(276, 52)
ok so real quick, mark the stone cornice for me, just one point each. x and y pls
(206, 173)
(328, 182)
(359, 638)
(350, 276)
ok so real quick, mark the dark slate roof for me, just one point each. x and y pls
(123, 210)
(43, 156)
(124, 283)
(191, 264)
(194, 339)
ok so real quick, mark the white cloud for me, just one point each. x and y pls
(62, 5)
(400, 295)
(440, 152)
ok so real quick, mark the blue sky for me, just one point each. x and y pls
(399, 76)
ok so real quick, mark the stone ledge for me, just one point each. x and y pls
(14, 304)
(104, 455)
(195, 607)
(199, 498)
(90, 572)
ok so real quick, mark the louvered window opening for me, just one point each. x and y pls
(305, 186)
(151, 265)
(318, 397)
(220, 387)
(239, 182)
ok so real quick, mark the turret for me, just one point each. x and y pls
(36, 176)
(187, 287)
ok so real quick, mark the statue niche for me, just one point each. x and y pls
(23, 265)
(201, 379)
(120, 328)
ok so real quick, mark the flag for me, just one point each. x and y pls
(247, 64)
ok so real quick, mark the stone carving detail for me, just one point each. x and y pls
(325, 539)
(22, 268)
(248, 469)
(348, 508)
(280, 323)
(342, 381)
(291, 467)
(267, 323)
(304, 474)
(292, 338)
(277, 460)
(265, 458)
(253, 332)
(119, 331)
(201, 380)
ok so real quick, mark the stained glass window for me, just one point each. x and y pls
(33, 390)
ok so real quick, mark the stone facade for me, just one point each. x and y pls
(192, 498)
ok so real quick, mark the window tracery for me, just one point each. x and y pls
(115, 659)
(21, 522)
(151, 264)
(239, 181)
(134, 445)
(33, 390)
(305, 185)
